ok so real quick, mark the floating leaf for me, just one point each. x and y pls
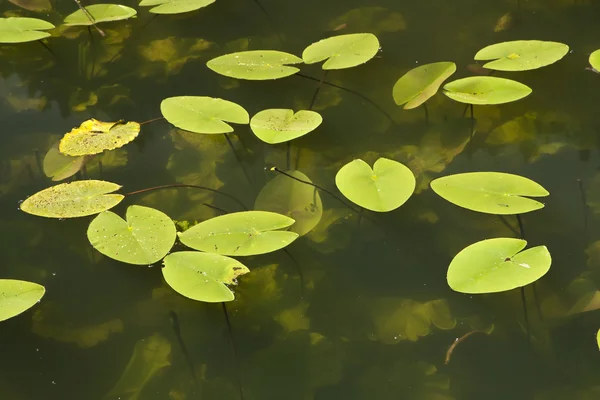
(384, 188)
(73, 199)
(174, 6)
(203, 114)
(18, 296)
(486, 90)
(343, 51)
(59, 166)
(33, 5)
(255, 64)
(20, 30)
(145, 238)
(245, 233)
(281, 125)
(490, 192)
(419, 84)
(99, 13)
(595, 60)
(497, 265)
(202, 276)
(94, 137)
(521, 55)
(598, 339)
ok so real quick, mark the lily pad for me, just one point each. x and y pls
(486, 90)
(202, 276)
(384, 188)
(17, 297)
(281, 125)
(255, 65)
(595, 60)
(203, 114)
(419, 84)
(73, 199)
(94, 137)
(59, 166)
(521, 55)
(497, 265)
(245, 233)
(100, 13)
(21, 30)
(174, 6)
(490, 192)
(598, 338)
(145, 238)
(343, 51)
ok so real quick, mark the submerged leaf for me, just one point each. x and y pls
(343, 51)
(370, 19)
(100, 13)
(420, 83)
(17, 297)
(521, 55)
(486, 90)
(20, 30)
(94, 137)
(33, 5)
(59, 166)
(281, 125)
(174, 6)
(255, 64)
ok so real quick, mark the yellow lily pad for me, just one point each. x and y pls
(94, 137)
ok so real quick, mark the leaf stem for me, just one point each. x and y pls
(233, 351)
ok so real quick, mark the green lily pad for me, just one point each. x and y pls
(202, 276)
(521, 55)
(598, 338)
(203, 114)
(21, 30)
(255, 65)
(595, 60)
(419, 84)
(245, 233)
(174, 6)
(384, 188)
(343, 51)
(497, 265)
(486, 90)
(59, 166)
(94, 137)
(100, 13)
(17, 297)
(277, 125)
(490, 192)
(73, 199)
(145, 238)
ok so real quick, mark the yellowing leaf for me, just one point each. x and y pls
(93, 137)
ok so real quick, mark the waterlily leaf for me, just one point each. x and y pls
(202, 276)
(203, 114)
(33, 5)
(245, 233)
(100, 13)
(486, 90)
(490, 192)
(396, 320)
(521, 55)
(73, 199)
(497, 265)
(94, 137)
(343, 51)
(598, 338)
(59, 166)
(174, 6)
(143, 239)
(384, 188)
(419, 84)
(255, 64)
(20, 30)
(17, 297)
(277, 125)
(595, 60)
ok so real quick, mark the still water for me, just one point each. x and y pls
(372, 316)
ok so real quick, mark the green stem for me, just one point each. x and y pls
(233, 351)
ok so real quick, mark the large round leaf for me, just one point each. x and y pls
(278, 125)
(94, 137)
(73, 199)
(202, 276)
(297, 200)
(59, 166)
(203, 114)
(145, 238)
(419, 84)
(486, 90)
(497, 265)
(521, 55)
(595, 60)
(343, 51)
(490, 192)
(384, 188)
(20, 30)
(255, 64)
(174, 6)
(18, 296)
(99, 13)
(245, 233)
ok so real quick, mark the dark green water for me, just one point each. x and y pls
(376, 318)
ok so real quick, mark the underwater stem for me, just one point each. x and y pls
(47, 48)
(238, 160)
(523, 298)
(184, 350)
(299, 269)
(233, 351)
(584, 206)
(426, 113)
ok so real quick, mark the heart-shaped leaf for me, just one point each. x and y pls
(521, 55)
(20, 30)
(486, 90)
(419, 84)
(18, 296)
(255, 64)
(281, 125)
(174, 6)
(343, 51)
(94, 137)
(99, 13)
(59, 166)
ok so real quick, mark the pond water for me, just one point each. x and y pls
(371, 315)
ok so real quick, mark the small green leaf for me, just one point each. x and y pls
(20, 30)
(281, 125)
(202, 276)
(595, 60)
(497, 265)
(598, 339)
(203, 114)
(145, 238)
(343, 51)
(521, 55)
(255, 64)
(245, 233)
(419, 84)
(18, 296)
(486, 90)
(59, 166)
(384, 188)
(94, 137)
(174, 6)
(100, 13)
(490, 192)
